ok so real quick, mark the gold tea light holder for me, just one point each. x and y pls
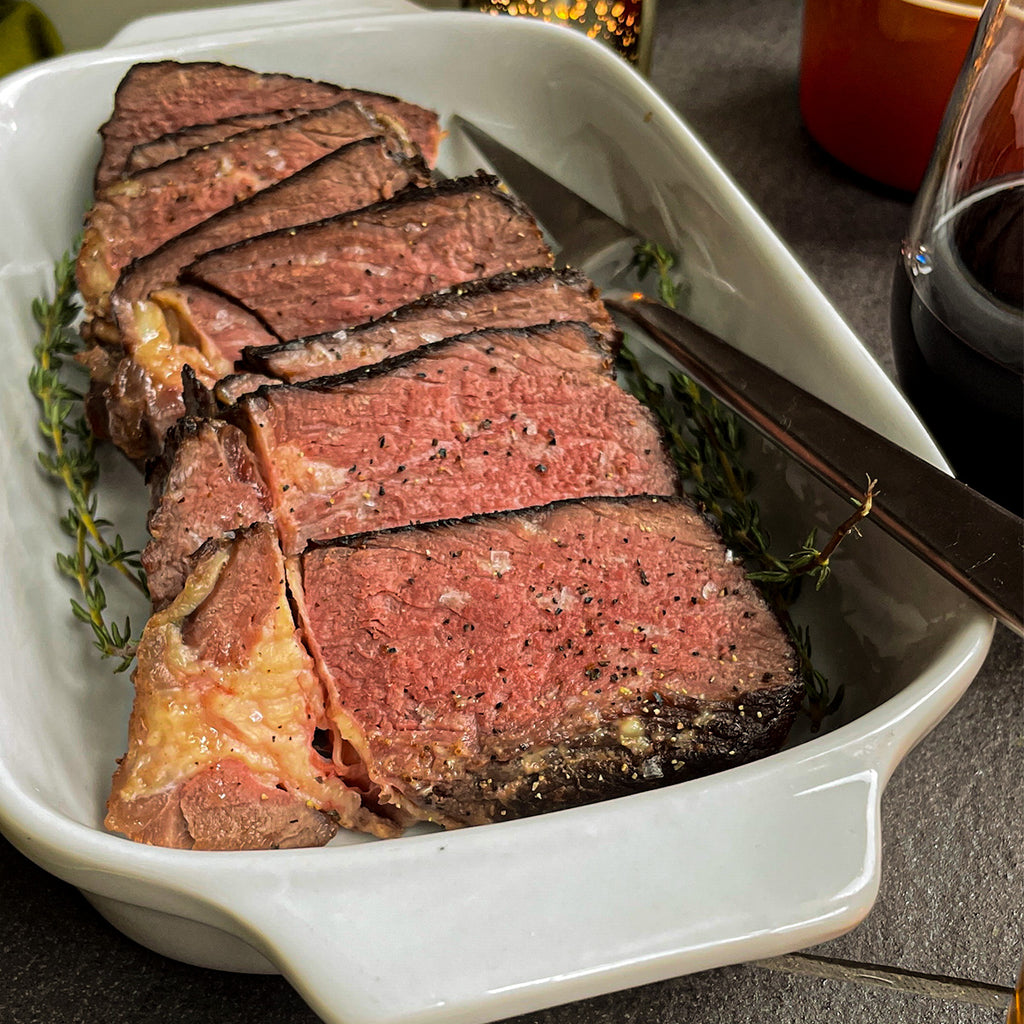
(627, 26)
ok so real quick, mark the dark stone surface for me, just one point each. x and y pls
(952, 833)
(953, 814)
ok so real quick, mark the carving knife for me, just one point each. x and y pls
(971, 541)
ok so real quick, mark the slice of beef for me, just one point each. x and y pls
(133, 216)
(491, 420)
(352, 176)
(175, 144)
(226, 713)
(161, 329)
(521, 662)
(348, 269)
(517, 299)
(205, 485)
(154, 99)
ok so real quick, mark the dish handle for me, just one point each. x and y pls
(501, 920)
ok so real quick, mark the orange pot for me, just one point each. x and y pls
(875, 78)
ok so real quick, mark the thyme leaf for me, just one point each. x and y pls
(649, 257)
(69, 456)
(706, 441)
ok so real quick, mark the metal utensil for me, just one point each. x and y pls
(968, 539)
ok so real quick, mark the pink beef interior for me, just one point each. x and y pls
(174, 144)
(459, 647)
(347, 178)
(350, 269)
(165, 96)
(134, 217)
(207, 485)
(517, 299)
(488, 421)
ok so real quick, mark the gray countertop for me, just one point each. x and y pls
(945, 939)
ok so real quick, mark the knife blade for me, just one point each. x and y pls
(968, 539)
(581, 232)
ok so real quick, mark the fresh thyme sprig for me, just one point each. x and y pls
(809, 560)
(69, 456)
(706, 441)
(650, 257)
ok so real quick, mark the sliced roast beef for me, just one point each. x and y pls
(491, 420)
(348, 269)
(157, 98)
(453, 586)
(175, 144)
(221, 748)
(350, 177)
(520, 662)
(205, 485)
(517, 299)
(162, 327)
(133, 216)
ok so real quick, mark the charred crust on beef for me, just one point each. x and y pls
(391, 363)
(519, 298)
(514, 708)
(148, 103)
(666, 741)
(409, 194)
(197, 399)
(352, 151)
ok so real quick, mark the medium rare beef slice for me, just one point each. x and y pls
(384, 108)
(204, 486)
(163, 327)
(348, 269)
(133, 216)
(221, 738)
(175, 144)
(354, 175)
(517, 299)
(490, 420)
(165, 96)
(521, 662)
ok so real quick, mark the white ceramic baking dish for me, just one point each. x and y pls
(497, 920)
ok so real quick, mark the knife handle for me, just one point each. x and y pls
(971, 541)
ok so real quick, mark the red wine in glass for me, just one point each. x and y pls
(958, 336)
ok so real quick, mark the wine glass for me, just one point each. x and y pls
(958, 290)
